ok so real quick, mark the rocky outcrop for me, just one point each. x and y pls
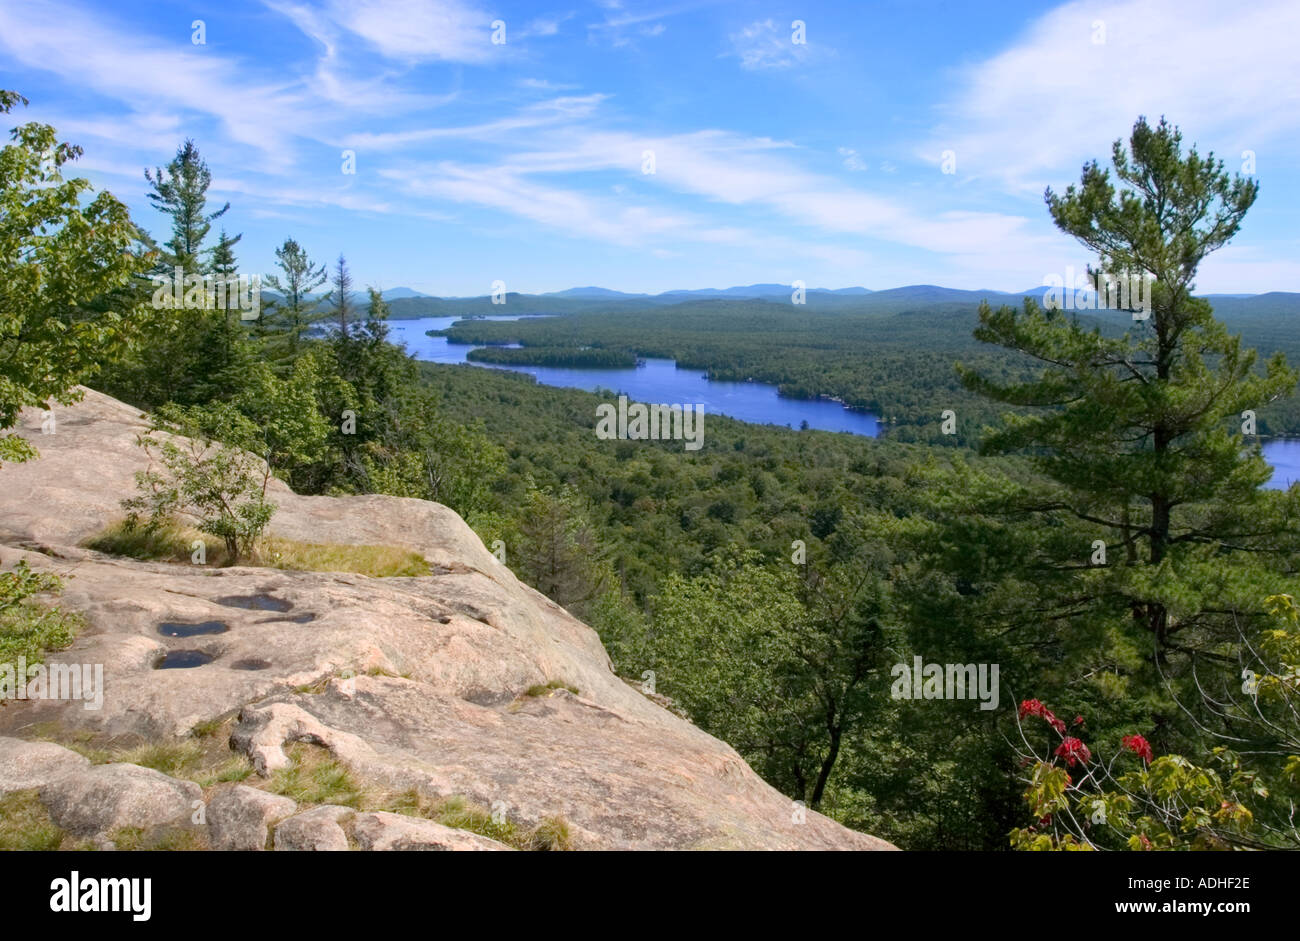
(106, 797)
(412, 684)
(30, 765)
(384, 831)
(315, 830)
(238, 817)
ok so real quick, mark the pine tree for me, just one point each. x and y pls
(185, 351)
(1141, 433)
(181, 192)
(365, 358)
(558, 551)
(296, 311)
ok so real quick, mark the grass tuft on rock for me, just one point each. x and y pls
(163, 839)
(316, 777)
(551, 835)
(26, 825)
(374, 561)
(172, 542)
(171, 758)
(204, 758)
(460, 813)
(236, 768)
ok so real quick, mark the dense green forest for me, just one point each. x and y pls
(619, 531)
(580, 358)
(1107, 547)
(896, 364)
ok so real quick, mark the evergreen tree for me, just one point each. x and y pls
(340, 295)
(296, 311)
(181, 192)
(366, 359)
(1141, 433)
(183, 349)
(558, 553)
(1126, 567)
(225, 269)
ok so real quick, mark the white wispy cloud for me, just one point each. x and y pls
(559, 208)
(1225, 72)
(620, 23)
(546, 85)
(767, 45)
(88, 49)
(852, 159)
(341, 80)
(548, 25)
(540, 114)
(419, 30)
(699, 178)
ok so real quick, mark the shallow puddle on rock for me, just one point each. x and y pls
(250, 664)
(191, 629)
(183, 660)
(259, 602)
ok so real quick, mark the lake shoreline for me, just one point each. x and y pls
(656, 380)
(662, 380)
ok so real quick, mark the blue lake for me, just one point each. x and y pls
(1284, 455)
(660, 381)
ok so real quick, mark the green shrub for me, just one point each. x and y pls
(27, 628)
(223, 487)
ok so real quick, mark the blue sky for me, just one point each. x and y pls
(774, 160)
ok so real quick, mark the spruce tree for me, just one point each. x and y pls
(181, 192)
(340, 295)
(296, 310)
(225, 269)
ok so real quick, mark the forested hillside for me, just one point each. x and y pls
(1107, 547)
(890, 359)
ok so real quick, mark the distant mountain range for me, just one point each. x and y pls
(909, 294)
(406, 303)
(363, 297)
(922, 293)
(751, 290)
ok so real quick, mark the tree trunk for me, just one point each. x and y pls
(827, 765)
